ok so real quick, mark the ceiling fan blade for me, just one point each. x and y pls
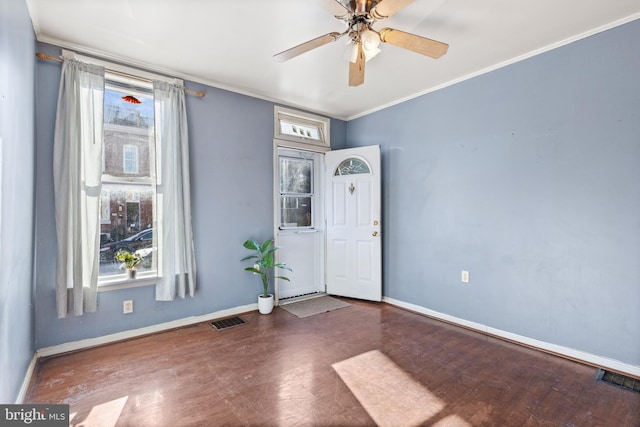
(423, 45)
(356, 69)
(307, 46)
(386, 8)
(337, 8)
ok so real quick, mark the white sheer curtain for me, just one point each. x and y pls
(176, 264)
(77, 170)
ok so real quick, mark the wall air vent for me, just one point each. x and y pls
(227, 323)
(619, 380)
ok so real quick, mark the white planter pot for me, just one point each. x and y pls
(265, 304)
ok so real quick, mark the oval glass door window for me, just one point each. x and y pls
(352, 166)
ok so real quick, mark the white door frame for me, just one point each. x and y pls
(369, 287)
(310, 133)
(307, 240)
(306, 132)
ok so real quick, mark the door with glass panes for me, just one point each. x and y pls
(300, 225)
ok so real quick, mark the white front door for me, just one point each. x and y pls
(354, 243)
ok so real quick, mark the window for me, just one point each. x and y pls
(297, 129)
(128, 176)
(352, 166)
(130, 159)
(296, 192)
(300, 130)
(105, 107)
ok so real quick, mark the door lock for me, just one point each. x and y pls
(374, 234)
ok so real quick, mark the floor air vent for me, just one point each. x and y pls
(227, 323)
(619, 380)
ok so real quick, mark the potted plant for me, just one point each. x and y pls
(264, 264)
(129, 261)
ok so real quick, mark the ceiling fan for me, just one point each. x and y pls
(360, 16)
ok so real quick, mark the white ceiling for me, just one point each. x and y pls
(230, 43)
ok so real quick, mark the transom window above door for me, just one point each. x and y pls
(297, 129)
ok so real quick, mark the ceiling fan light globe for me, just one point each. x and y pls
(351, 52)
(369, 39)
(370, 53)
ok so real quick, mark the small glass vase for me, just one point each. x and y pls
(132, 273)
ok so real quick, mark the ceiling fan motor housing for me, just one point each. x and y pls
(359, 24)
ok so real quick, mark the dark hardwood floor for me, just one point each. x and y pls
(277, 371)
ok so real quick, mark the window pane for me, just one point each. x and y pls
(297, 129)
(304, 129)
(295, 175)
(131, 207)
(352, 166)
(128, 180)
(128, 135)
(295, 211)
(130, 155)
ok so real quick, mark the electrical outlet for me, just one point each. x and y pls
(464, 277)
(127, 306)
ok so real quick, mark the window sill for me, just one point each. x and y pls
(121, 281)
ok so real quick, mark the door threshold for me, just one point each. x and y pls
(299, 298)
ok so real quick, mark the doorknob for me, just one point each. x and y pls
(374, 234)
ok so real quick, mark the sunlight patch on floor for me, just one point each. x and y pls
(103, 415)
(452, 421)
(389, 394)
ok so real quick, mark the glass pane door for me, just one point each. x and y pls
(296, 192)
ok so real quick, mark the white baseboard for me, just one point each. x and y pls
(31, 369)
(106, 339)
(577, 355)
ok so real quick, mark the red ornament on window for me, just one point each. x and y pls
(131, 99)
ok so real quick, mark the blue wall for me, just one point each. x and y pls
(231, 140)
(17, 69)
(525, 176)
(528, 178)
